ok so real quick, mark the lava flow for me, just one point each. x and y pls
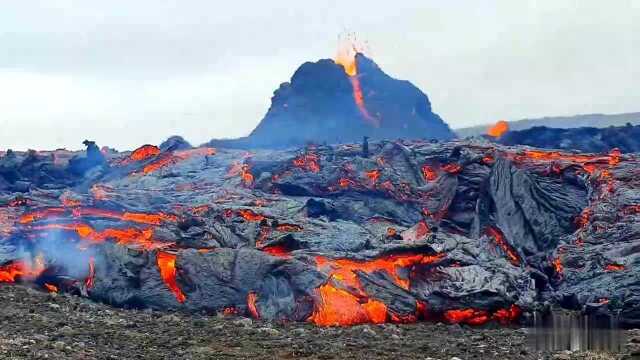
(167, 265)
(170, 158)
(498, 237)
(22, 269)
(347, 58)
(343, 300)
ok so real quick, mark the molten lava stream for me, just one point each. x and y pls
(347, 58)
(11, 272)
(498, 237)
(337, 307)
(126, 236)
(251, 305)
(167, 265)
(140, 218)
(144, 152)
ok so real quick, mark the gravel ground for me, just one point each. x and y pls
(36, 325)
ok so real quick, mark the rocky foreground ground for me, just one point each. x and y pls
(38, 325)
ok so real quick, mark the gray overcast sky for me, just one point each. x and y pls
(125, 72)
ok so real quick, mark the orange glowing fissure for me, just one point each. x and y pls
(176, 156)
(479, 317)
(614, 267)
(250, 215)
(141, 218)
(343, 301)
(126, 236)
(167, 265)
(509, 251)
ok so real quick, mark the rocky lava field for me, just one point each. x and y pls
(457, 232)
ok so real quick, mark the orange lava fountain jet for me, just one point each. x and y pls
(346, 57)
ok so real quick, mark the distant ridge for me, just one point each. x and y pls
(560, 122)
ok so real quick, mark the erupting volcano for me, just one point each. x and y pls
(340, 101)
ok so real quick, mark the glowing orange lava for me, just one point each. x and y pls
(498, 237)
(144, 152)
(373, 176)
(141, 218)
(288, 228)
(429, 173)
(614, 267)
(308, 161)
(167, 266)
(557, 266)
(498, 129)
(22, 269)
(245, 174)
(250, 215)
(343, 301)
(89, 280)
(277, 250)
(505, 316)
(338, 307)
(347, 58)
(251, 305)
(126, 236)
(452, 168)
(51, 288)
(167, 159)
(467, 316)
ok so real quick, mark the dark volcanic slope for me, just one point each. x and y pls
(586, 139)
(320, 104)
(460, 232)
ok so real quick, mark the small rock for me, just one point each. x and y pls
(54, 306)
(562, 356)
(170, 318)
(244, 322)
(269, 331)
(41, 337)
(455, 358)
(477, 338)
(66, 330)
(298, 332)
(366, 330)
(455, 329)
(58, 345)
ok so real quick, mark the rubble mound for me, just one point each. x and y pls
(462, 232)
(324, 104)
